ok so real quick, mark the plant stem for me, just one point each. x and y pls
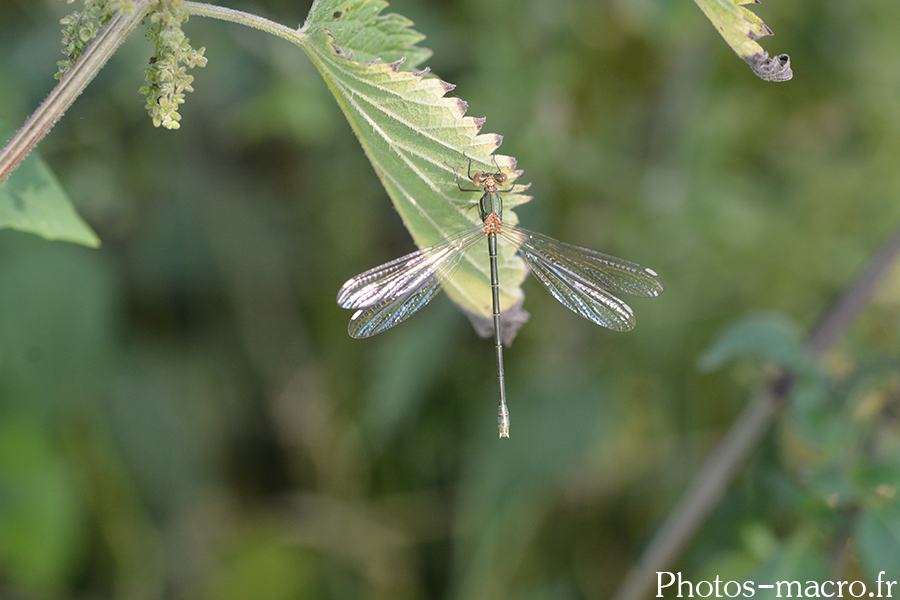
(70, 86)
(95, 56)
(724, 462)
(202, 9)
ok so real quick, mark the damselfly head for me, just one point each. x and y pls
(489, 181)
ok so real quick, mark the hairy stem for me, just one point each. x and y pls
(201, 9)
(70, 86)
(726, 460)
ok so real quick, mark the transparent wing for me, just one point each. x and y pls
(391, 293)
(582, 279)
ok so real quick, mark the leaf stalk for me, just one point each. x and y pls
(202, 9)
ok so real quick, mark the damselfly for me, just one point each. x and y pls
(583, 280)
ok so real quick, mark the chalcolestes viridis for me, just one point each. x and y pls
(581, 279)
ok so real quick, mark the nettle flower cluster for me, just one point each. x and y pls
(80, 28)
(167, 79)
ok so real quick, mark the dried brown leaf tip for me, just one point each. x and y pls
(777, 68)
(741, 28)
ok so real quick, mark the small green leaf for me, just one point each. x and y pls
(798, 561)
(741, 28)
(776, 340)
(414, 136)
(877, 536)
(32, 200)
(766, 337)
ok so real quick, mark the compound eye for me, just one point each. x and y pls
(501, 178)
(478, 179)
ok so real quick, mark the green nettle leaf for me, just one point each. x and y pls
(32, 200)
(741, 28)
(414, 136)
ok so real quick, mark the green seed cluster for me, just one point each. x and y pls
(79, 28)
(166, 77)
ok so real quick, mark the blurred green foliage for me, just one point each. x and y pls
(182, 414)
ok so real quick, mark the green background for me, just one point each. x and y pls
(183, 415)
